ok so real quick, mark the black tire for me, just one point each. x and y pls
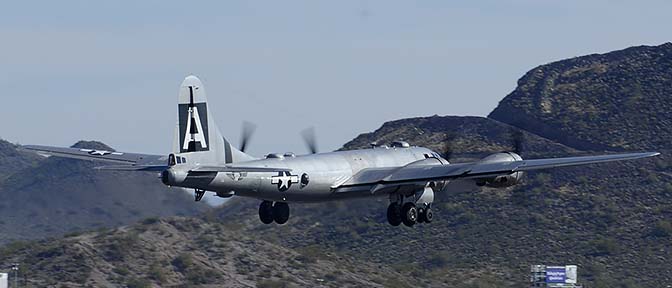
(429, 215)
(394, 214)
(280, 212)
(266, 212)
(421, 215)
(409, 214)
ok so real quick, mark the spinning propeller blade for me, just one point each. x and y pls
(246, 134)
(517, 139)
(447, 152)
(309, 138)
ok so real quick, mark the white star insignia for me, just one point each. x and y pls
(100, 152)
(284, 180)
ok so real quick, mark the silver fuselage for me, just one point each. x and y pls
(325, 172)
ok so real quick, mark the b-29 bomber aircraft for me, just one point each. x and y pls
(409, 176)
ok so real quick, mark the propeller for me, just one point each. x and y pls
(447, 152)
(246, 134)
(308, 135)
(517, 139)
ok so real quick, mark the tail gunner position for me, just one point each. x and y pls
(203, 160)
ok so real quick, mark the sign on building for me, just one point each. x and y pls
(561, 274)
(554, 276)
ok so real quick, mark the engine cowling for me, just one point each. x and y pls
(173, 177)
(504, 180)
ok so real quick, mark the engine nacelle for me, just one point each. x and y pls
(173, 177)
(504, 180)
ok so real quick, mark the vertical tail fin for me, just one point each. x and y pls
(196, 132)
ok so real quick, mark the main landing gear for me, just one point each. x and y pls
(273, 211)
(411, 209)
(409, 214)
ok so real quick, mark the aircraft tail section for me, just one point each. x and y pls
(196, 132)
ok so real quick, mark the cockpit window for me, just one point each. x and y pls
(171, 160)
(179, 160)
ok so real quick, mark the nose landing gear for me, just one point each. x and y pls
(273, 211)
(198, 194)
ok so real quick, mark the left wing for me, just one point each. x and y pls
(234, 168)
(124, 161)
(423, 173)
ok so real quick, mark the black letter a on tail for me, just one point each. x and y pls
(193, 119)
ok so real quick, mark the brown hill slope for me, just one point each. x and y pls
(620, 100)
(12, 160)
(469, 137)
(186, 252)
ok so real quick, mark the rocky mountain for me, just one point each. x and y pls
(13, 160)
(44, 197)
(620, 100)
(466, 137)
(613, 220)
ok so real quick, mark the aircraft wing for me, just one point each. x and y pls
(234, 168)
(473, 170)
(124, 161)
(134, 161)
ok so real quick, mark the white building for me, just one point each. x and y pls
(3, 280)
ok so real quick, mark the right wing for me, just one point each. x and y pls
(134, 161)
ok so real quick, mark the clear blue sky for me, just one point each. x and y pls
(110, 71)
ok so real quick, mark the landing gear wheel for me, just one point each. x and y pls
(266, 212)
(409, 214)
(394, 214)
(280, 212)
(429, 215)
(421, 215)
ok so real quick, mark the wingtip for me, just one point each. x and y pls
(29, 148)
